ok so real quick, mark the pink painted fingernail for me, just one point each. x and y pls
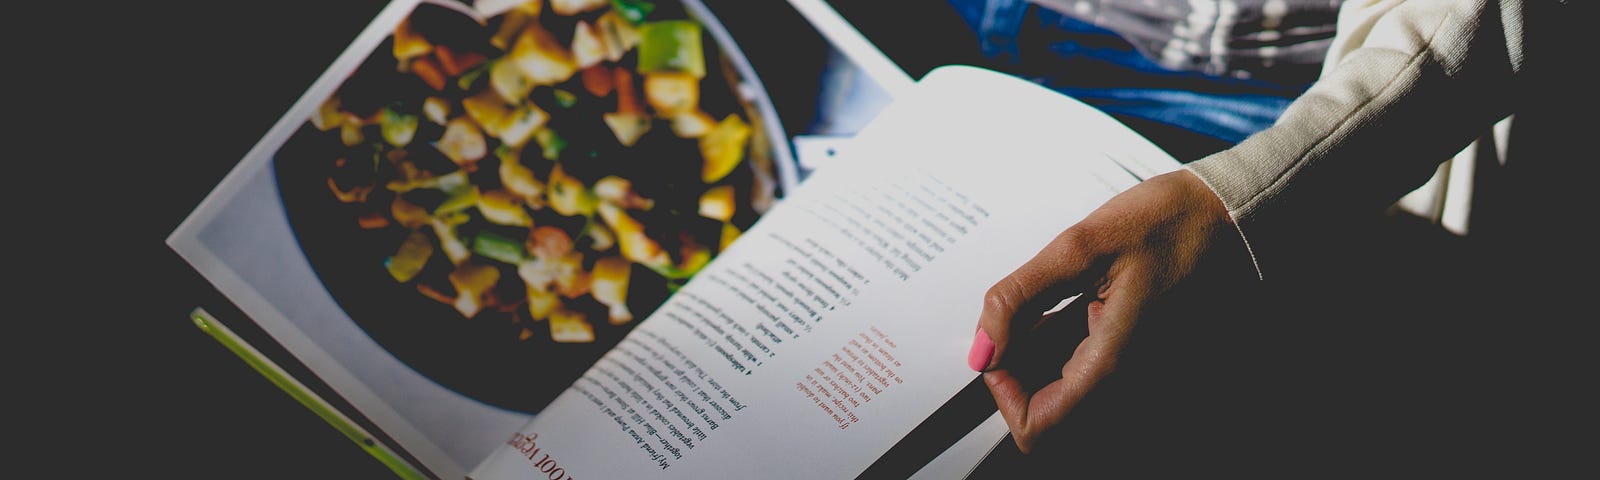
(982, 350)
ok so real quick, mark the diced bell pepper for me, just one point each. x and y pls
(671, 46)
(495, 246)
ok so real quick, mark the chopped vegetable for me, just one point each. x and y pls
(450, 182)
(444, 227)
(692, 124)
(462, 143)
(428, 69)
(513, 22)
(521, 124)
(406, 263)
(672, 93)
(550, 143)
(350, 130)
(574, 7)
(541, 303)
(455, 63)
(571, 280)
(634, 10)
(509, 82)
(600, 239)
(458, 200)
(596, 80)
(540, 58)
(671, 46)
(629, 127)
(567, 326)
(469, 80)
(619, 34)
(631, 237)
(473, 282)
(549, 242)
(488, 109)
(729, 234)
(695, 258)
(588, 49)
(373, 220)
(610, 287)
(409, 44)
(327, 116)
(717, 203)
(407, 214)
(722, 148)
(619, 191)
(570, 223)
(564, 99)
(356, 194)
(436, 109)
(627, 94)
(629, 122)
(502, 207)
(568, 196)
(397, 127)
(519, 180)
(495, 246)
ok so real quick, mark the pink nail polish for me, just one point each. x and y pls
(982, 351)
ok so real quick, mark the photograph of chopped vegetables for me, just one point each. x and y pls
(520, 190)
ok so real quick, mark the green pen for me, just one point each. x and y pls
(302, 394)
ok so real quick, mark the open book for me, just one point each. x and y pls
(448, 231)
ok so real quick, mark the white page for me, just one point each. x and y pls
(1009, 162)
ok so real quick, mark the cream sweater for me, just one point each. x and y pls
(1408, 83)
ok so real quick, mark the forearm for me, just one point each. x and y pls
(1427, 79)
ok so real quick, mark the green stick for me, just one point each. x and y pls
(304, 395)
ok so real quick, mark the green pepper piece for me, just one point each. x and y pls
(495, 246)
(397, 127)
(469, 79)
(550, 143)
(671, 46)
(564, 99)
(458, 200)
(633, 10)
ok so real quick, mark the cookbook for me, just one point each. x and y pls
(566, 239)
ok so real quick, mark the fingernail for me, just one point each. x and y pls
(982, 350)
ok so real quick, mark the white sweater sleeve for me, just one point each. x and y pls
(1409, 84)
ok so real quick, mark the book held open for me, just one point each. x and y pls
(674, 328)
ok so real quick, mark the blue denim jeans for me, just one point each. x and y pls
(1099, 68)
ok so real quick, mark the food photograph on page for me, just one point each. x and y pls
(497, 199)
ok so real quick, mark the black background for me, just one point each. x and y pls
(123, 116)
(137, 110)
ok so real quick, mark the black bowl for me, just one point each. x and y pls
(481, 357)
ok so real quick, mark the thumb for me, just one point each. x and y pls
(1065, 267)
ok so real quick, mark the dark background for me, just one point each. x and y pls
(137, 110)
(132, 112)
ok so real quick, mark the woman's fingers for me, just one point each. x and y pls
(1017, 302)
(1134, 247)
(1030, 412)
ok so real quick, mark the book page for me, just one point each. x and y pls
(843, 317)
(421, 224)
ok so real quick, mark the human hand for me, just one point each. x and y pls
(1120, 258)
